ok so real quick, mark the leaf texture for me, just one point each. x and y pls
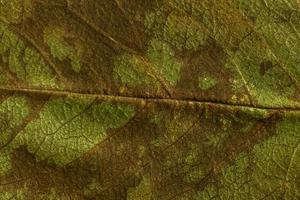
(154, 100)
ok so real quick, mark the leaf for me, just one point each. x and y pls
(164, 99)
(24, 62)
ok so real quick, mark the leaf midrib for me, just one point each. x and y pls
(144, 99)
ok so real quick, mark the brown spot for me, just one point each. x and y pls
(265, 66)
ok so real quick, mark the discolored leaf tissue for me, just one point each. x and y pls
(149, 99)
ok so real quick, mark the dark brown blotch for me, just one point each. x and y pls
(265, 66)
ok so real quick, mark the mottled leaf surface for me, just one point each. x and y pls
(149, 100)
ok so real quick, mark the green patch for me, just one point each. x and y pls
(24, 61)
(194, 175)
(266, 59)
(207, 82)
(159, 63)
(3, 79)
(164, 61)
(270, 169)
(12, 112)
(5, 164)
(18, 195)
(131, 70)
(177, 29)
(53, 195)
(192, 8)
(142, 191)
(60, 49)
(68, 127)
(6, 195)
(274, 87)
(156, 119)
(141, 151)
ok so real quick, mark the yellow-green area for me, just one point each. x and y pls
(25, 62)
(17, 195)
(141, 191)
(68, 127)
(5, 163)
(6, 195)
(54, 37)
(15, 11)
(132, 70)
(253, 33)
(207, 82)
(177, 28)
(3, 79)
(164, 61)
(270, 169)
(54, 195)
(12, 112)
(159, 62)
(278, 27)
(250, 33)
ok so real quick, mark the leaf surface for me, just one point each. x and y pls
(155, 100)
